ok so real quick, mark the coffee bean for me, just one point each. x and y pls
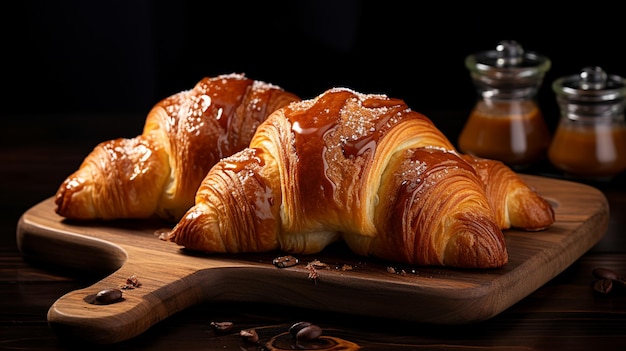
(285, 261)
(603, 286)
(605, 273)
(294, 329)
(310, 332)
(222, 327)
(608, 280)
(249, 335)
(109, 296)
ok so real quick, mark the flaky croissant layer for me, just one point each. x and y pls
(157, 173)
(361, 168)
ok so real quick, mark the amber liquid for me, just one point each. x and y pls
(591, 151)
(513, 132)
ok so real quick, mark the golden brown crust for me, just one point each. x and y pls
(433, 211)
(183, 137)
(339, 166)
(516, 205)
(437, 202)
(131, 183)
(239, 190)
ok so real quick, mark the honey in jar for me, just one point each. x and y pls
(506, 123)
(590, 139)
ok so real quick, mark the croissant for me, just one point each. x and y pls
(157, 173)
(348, 166)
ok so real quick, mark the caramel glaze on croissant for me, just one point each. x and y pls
(157, 173)
(361, 168)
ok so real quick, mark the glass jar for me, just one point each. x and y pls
(590, 139)
(506, 123)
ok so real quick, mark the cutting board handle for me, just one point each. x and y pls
(154, 299)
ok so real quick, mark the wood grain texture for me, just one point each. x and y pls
(173, 279)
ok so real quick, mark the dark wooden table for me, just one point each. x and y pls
(38, 152)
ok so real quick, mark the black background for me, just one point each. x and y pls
(122, 57)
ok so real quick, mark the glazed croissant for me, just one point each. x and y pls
(157, 173)
(348, 166)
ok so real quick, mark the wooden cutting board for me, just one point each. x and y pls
(173, 279)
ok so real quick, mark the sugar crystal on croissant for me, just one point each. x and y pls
(348, 166)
